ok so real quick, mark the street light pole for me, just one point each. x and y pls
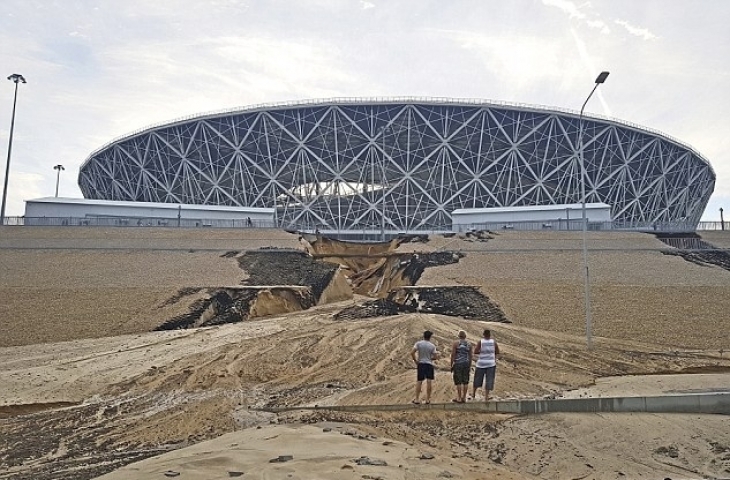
(382, 190)
(589, 327)
(58, 176)
(722, 220)
(16, 78)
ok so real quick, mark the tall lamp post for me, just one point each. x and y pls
(58, 176)
(589, 327)
(16, 78)
(722, 220)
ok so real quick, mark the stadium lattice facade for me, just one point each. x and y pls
(402, 164)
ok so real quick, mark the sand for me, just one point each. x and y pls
(139, 403)
(325, 451)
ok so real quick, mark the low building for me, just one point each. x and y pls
(533, 217)
(79, 211)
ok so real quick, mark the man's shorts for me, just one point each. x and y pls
(482, 374)
(425, 372)
(461, 373)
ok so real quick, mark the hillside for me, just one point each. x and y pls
(89, 388)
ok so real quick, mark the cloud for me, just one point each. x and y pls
(590, 68)
(637, 31)
(520, 61)
(22, 186)
(97, 70)
(566, 6)
(599, 25)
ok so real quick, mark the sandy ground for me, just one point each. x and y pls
(324, 451)
(138, 396)
(142, 404)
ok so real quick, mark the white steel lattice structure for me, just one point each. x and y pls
(401, 164)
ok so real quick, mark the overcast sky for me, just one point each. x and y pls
(99, 69)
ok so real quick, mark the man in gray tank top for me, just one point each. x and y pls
(460, 366)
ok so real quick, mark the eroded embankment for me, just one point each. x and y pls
(691, 247)
(282, 280)
(279, 281)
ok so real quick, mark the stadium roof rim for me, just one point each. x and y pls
(334, 101)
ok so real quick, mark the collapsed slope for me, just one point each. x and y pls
(283, 280)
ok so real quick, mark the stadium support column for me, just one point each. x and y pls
(16, 78)
(589, 327)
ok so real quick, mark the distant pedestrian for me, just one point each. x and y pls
(485, 351)
(460, 366)
(423, 354)
(249, 223)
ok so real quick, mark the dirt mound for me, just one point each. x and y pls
(145, 394)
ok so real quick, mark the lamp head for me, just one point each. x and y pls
(602, 77)
(16, 77)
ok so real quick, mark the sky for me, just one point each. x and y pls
(100, 69)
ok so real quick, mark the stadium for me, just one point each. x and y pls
(404, 164)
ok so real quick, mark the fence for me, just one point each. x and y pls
(367, 231)
(137, 222)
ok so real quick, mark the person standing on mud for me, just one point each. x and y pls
(423, 354)
(460, 366)
(485, 351)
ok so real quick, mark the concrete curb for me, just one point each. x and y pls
(716, 403)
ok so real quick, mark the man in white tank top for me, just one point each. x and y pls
(485, 351)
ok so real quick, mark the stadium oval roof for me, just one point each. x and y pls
(402, 163)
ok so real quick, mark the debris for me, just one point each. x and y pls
(370, 461)
(670, 451)
(369, 309)
(282, 459)
(456, 301)
(287, 267)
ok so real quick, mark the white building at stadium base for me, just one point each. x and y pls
(83, 212)
(402, 165)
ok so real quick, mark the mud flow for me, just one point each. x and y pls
(325, 271)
